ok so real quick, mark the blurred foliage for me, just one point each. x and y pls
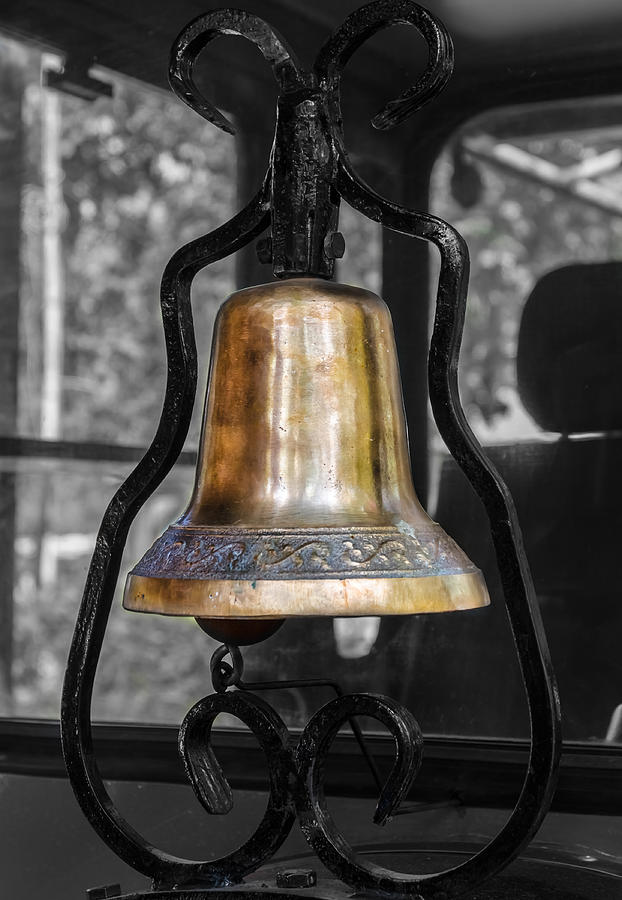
(516, 231)
(141, 175)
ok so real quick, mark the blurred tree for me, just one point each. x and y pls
(142, 175)
(516, 231)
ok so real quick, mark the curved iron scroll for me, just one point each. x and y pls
(358, 28)
(316, 97)
(204, 29)
(311, 753)
(212, 788)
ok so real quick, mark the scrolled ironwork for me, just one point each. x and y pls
(312, 750)
(206, 28)
(309, 113)
(213, 790)
(362, 24)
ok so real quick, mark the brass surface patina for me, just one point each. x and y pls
(304, 503)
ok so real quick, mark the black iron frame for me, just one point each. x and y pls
(308, 174)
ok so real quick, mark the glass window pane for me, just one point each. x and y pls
(537, 193)
(112, 188)
(97, 195)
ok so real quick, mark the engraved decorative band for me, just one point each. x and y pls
(247, 554)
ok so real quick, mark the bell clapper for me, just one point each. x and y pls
(241, 632)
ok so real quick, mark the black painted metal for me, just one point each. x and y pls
(311, 752)
(295, 775)
(303, 167)
(309, 171)
(305, 208)
(212, 788)
(225, 675)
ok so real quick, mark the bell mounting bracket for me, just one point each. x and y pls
(309, 171)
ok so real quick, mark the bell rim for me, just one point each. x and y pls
(263, 599)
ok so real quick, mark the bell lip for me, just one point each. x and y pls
(305, 598)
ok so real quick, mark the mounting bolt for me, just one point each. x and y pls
(104, 892)
(264, 250)
(334, 245)
(296, 878)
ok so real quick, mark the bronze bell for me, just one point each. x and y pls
(304, 502)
